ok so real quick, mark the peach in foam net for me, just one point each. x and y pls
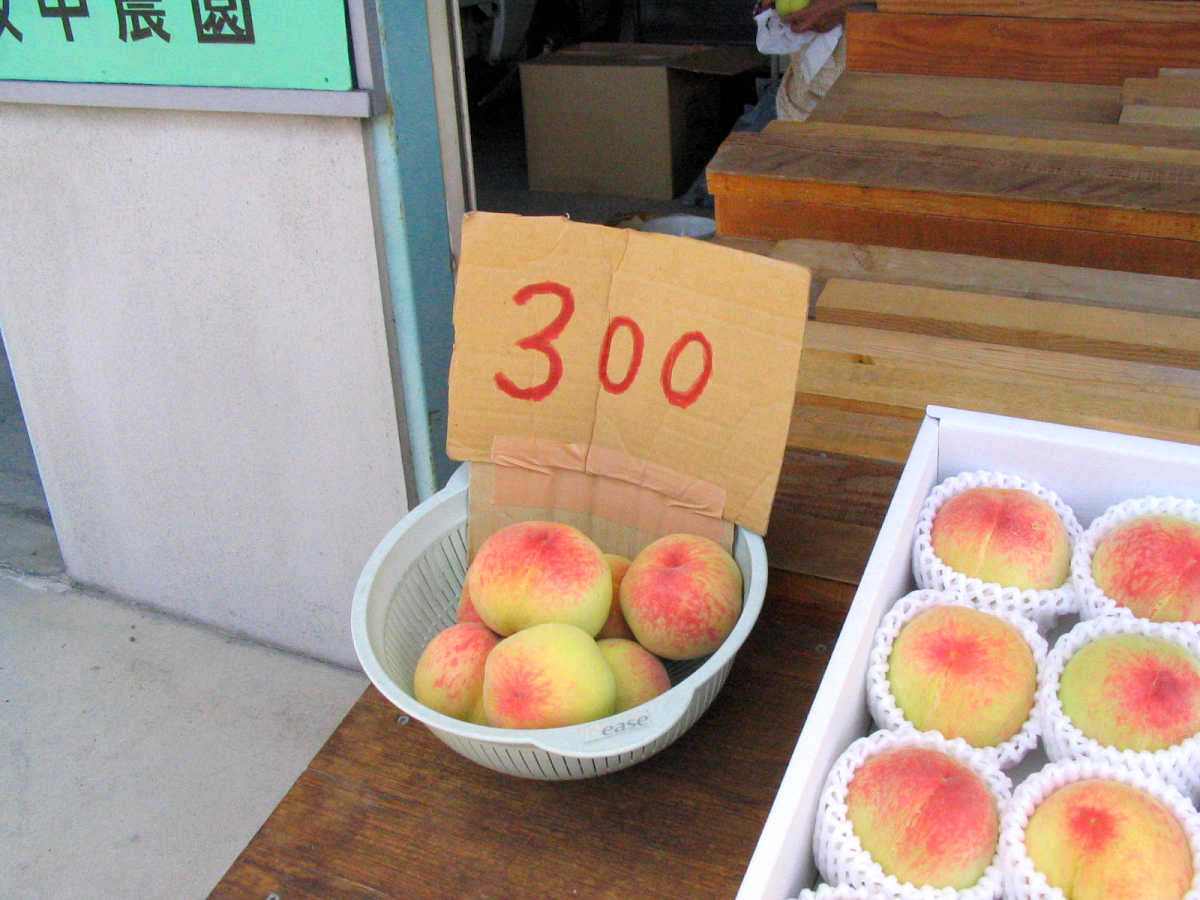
(534, 573)
(1132, 691)
(1006, 536)
(924, 817)
(1098, 839)
(963, 672)
(1150, 565)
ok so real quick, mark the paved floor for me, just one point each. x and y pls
(138, 753)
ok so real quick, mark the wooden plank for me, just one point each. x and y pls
(1104, 133)
(1161, 92)
(874, 370)
(877, 92)
(819, 424)
(1045, 325)
(1162, 116)
(827, 512)
(1048, 150)
(1061, 50)
(768, 216)
(896, 175)
(386, 809)
(989, 275)
(1183, 11)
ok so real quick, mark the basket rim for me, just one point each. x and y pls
(567, 742)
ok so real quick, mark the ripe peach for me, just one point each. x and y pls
(640, 674)
(1005, 536)
(615, 625)
(1132, 691)
(963, 672)
(1100, 838)
(924, 817)
(681, 596)
(466, 611)
(533, 573)
(547, 676)
(449, 673)
(1151, 564)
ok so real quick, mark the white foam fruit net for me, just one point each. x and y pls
(836, 892)
(1044, 607)
(1022, 880)
(1093, 602)
(882, 703)
(840, 857)
(1178, 765)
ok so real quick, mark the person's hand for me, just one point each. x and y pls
(819, 15)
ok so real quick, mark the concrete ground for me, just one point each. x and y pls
(138, 753)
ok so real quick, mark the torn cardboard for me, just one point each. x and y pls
(681, 426)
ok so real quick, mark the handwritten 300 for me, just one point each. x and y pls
(543, 342)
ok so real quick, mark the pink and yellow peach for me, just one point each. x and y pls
(535, 573)
(1098, 838)
(1132, 691)
(466, 611)
(1005, 536)
(924, 817)
(547, 676)
(1151, 565)
(449, 673)
(640, 675)
(681, 596)
(615, 625)
(963, 672)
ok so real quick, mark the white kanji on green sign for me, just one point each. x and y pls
(218, 43)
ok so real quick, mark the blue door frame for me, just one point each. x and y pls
(415, 234)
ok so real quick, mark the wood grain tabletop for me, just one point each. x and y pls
(386, 810)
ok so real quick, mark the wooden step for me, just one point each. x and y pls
(870, 93)
(1007, 277)
(1137, 210)
(1037, 49)
(891, 373)
(862, 393)
(1162, 101)
(1096, 133)
(827, 512)
(1182, 11)
(1046, 325)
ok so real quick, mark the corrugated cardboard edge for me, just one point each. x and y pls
(622, 502)
(485, 517)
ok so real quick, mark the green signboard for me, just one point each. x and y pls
(214, 43)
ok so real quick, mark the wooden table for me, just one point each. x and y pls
(386, 810)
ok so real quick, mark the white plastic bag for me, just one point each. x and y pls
(775, 37)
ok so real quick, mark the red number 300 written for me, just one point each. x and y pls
(542, 341)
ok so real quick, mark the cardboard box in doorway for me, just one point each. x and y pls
(641, 120)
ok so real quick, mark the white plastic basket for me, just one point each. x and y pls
(409, 590)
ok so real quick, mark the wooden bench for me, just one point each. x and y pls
(876, 354)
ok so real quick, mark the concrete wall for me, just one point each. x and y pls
(192, 309)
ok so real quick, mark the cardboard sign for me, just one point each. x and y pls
(637, 377)
(215, 43)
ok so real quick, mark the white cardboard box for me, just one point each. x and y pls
(1090, 470)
